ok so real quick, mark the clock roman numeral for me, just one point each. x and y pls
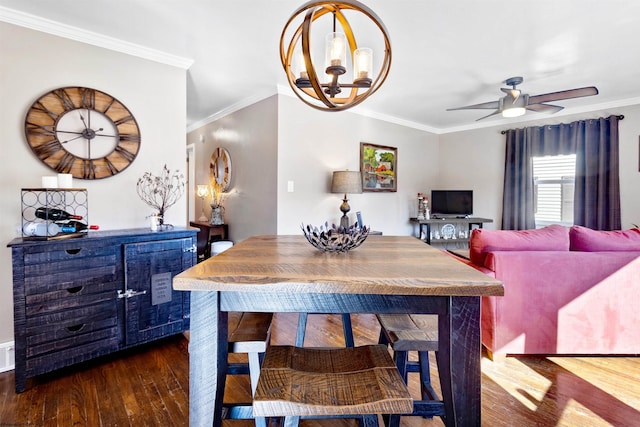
(65, 163)
(123, 120)
(124, 153)
(129, 137)
(88, 98)
(40, 107)
(46, 150)
(109, 106)
(88, 169)
(65, 99)
(112, 168)
(45, 130)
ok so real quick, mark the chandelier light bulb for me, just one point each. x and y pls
(300, 65)
(362, 64)
(336, 48)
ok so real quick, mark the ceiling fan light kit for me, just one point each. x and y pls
(516, 104)
(298, 57)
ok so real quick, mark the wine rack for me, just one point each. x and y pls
(72, 201)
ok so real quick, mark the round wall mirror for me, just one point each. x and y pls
(220, 168)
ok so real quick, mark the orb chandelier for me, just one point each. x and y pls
(298, 58)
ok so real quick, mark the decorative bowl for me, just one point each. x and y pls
(335, 239)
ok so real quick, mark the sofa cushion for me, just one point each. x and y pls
(587, 240)
(551, 238)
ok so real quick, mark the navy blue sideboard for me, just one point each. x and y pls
(81, 298)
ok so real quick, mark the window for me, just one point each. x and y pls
(554, 180)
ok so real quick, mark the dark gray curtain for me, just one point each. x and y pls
(597, 185)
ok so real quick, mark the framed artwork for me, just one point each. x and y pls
(378, 167)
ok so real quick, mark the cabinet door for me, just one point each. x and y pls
(152, 308)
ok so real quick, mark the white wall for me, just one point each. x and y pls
(33, 63)
(475, 159)
(250, 136)
(312, 144)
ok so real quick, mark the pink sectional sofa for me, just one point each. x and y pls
(566, 291)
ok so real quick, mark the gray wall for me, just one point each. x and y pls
(250, 136)
(312, 144)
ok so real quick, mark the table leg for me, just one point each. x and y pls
(458, 360)
(208, 349)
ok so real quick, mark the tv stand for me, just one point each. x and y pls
(448, 232)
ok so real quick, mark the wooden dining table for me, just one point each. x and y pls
(387, 274)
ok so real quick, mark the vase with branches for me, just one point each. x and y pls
(217, 197)
(161, 192)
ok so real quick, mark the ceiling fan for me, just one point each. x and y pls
(515, 103)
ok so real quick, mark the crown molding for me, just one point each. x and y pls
(287, 91)
(73, 33)
(231, 109)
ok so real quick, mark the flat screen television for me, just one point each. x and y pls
(451, 203)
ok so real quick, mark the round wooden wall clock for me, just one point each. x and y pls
(220, 168)
(82, 131)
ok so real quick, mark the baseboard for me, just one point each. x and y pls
(7, 356)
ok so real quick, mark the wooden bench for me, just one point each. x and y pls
(419, 333)
(352, 382)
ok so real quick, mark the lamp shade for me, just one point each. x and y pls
(346, 182)
(202, 190)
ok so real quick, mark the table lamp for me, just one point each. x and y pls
(346, 182)
(202, 192)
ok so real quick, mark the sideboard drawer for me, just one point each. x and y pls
(100, 337)
(79, 294)
(35, 324)
(67, 251)
(68, 328)
(69, 274)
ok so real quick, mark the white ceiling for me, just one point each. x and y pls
(445, 53)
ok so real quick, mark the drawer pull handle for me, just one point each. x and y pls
(73, 251)
(75, 289)
(75, 328)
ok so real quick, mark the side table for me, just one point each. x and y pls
(206, 236)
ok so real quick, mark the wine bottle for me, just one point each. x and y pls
(41, 229)
(53, 214)
(76, 226)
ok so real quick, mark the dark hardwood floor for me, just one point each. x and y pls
(148, 386)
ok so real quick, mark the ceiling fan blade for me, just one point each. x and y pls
(563, 94)
(489, 115)
(486, 105)
(544, 108)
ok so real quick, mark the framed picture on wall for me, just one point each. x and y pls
(378, 167)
